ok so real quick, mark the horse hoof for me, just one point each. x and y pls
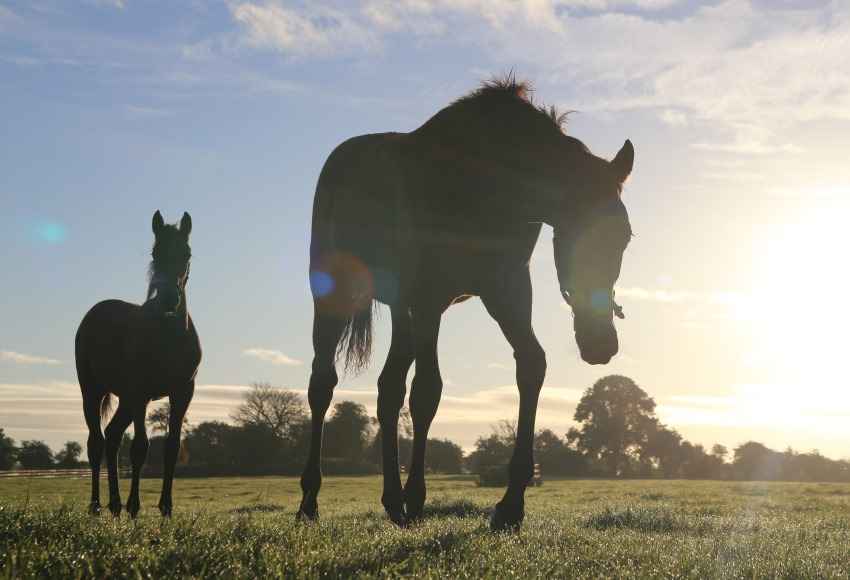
(501, 521)
(304, 517)
(133, 511)
(307, 512)
(165, 510)
(94, 508)
(397, 516)
(115, 509)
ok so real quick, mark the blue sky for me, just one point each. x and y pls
(738, 110)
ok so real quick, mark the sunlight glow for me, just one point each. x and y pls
(795, 313)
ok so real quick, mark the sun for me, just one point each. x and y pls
(797, 308)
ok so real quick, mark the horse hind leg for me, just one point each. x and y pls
(391, 391)
(327, 331)
(425, 394)
(114, 432)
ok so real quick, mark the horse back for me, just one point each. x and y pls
(124, 351)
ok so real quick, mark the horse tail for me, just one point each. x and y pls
(355, 344)
(105, 406)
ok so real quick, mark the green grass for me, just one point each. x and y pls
(585, 528)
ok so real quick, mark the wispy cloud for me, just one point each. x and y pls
(273, 356)
(727, 64)
(315, 30)
(26, 359)
(120, 4)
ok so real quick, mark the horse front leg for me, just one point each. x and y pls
(425, 393)
(138, 454)
(179, 404)
(391, 391)
(514, 318)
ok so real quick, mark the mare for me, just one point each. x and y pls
(140, 354)
(422, 220)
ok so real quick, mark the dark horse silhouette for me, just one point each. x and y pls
(140, 353)
(425, 219)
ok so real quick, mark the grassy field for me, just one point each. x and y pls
(585, 528)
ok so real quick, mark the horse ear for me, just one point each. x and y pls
(186, 224)
(158, 223)
(624, 161)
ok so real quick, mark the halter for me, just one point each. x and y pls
(618, 310)
(158, 279)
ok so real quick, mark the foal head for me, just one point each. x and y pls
(169, 269)
(589, 241)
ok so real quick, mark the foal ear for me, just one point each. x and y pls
(186, 224)
(623, 162)
(158, 223)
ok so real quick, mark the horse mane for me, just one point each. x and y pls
(508, 88)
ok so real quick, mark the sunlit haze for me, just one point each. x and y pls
(734, 286)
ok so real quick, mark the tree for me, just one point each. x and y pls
(158, 419)
(8, 451)
(616, 418)
(443, 456)
(281, 411)
(554, 456)
(753, 460)
(69, 457)
(495, 450)
(720, 452)
(664, 447)
(347, 432)
(35, 455)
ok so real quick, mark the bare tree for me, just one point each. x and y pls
(279, 410)
(158, 419)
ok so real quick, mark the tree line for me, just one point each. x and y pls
(617, 434)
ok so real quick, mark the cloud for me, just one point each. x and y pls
(739, 67)
(273, 356)
(143, 112)
(314, 30)
(120, 4)
(26, 359)
(500, 366)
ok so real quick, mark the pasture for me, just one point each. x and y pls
(244, 527)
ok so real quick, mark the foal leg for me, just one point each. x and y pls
(391, 391)
(179, 403)
(514, 317)
(138, 454)
(114, 432)
(327, 331)
(425, 395)
(95, 444)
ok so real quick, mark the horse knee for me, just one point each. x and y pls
(531, 366)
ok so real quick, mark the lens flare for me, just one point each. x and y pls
(50, 232)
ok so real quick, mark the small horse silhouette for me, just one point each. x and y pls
(139, 354)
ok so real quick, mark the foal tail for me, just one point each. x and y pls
(356, 340)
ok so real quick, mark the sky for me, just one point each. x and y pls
(734, 286)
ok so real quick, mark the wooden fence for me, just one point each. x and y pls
(67, 473)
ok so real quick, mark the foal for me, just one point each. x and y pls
(139, 354)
